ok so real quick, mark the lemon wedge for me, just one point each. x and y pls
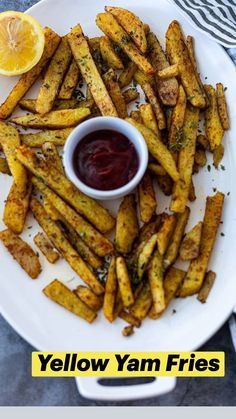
(21, 43)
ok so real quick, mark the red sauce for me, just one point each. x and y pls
(105, 160)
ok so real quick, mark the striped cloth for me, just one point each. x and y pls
(217, 18)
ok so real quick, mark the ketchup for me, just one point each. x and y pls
(105, 160)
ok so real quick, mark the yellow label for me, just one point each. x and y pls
(128, 364)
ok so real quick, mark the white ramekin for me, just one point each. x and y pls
(100, 123)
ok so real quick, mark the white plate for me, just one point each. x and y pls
(49, 327)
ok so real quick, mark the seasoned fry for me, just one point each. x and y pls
(173, 248)
(165, 183)
(126, 225)
(95, 240)
(128, 331)
(113, 88)
(167, 89)
(203, 142)
(165, 232)
(129, 318)
(169, 72)
(85, 62)
(196, 272)
(46, 248)
(107, 23)
(155, 278)
(62, 295)
(53, 120)
(63, 246)
(147, 198)
(30, 104)
(109, 54)
(126, 76)
(206, 286)
(200, 158)
(178, 54)
(157, 169)
(130, 95)
(149, 229)
(52, 157)
(21, 252)
(177, 120)
(222, 106)
(70, 81)
(145, 255)
(4, 168)
(143, 303)
(16, 208)
(124, 282)
(191, 194)
(110, 291)
(88, 297)
(148, 117)
(190, 245)
(218, 155)
(57, 137)
(27, 80)
(213, 127)
(157, 149)
(186, 160)
(137, 116)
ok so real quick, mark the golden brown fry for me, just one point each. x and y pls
(190, 245)
(206, 286)
(175, 134)
(56, 236)
(46, 248)
(16, 208)
(27, 80)
(173, 248)
(126, 225)
(89, 71)
(196, 272)
(110, 291)
(124, 282)
(148, 117)
(213, 127)
(107, 23)
(165, 232)
(88, 297)
(62, 295)
(218, 155)
(200, 158)
(147, 230)
(30, 104)
(130, 95)
(143, 303)
(21, 252)
(52, 157)
(109, 54)
(157, 169)
(222, 106)
(57, 137)
(145, 255)
(127, 317)
(203, 142)
(128, 331)
(113, 88)
(178, 54)
(137, 116)
(4, 168)
(126, 76)
(155, 278)
(147, 198)
(70, 81)
(191, 194)
(169, 72)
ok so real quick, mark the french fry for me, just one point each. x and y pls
(165, 232)
(16, 208)
(178, 54)
(142, 304)
(137, 116)
(88, 297)
(145, 255)
(185, 160)
(66, 298)
(167, 89)
(131, 24)
(147, 198)
(57, 137)
(21, 252)
(110, 291)
(4, 168)
(196, 272)
(129, 318)
(46, 248)
(165, 183)
(213, 127)
(177, 121)
(52, 157)
(155, 278)
(157, 169)
(109, 54)
(85, 62)
(206, 286)
(70, 81)
(130, 95)
(126, 76)
(158, 150)
(190, 245)
(86, 206)
(218, 155)
(169, 72)
(173, 248)
(147, 230)
(27, 80)
(191, 194)
(124, 282)
(95, 240)
(59, 104)
(64, 247)
(148, 117)
(113, 88)
(200, 158)
(222, 106)
(53, 120)
(94, 46)
(203, 142)
(126, 225)
(107, 23)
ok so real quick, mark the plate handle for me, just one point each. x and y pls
(91, 388)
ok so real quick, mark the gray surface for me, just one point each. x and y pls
(18, 388)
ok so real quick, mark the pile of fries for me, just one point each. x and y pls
(139, 277)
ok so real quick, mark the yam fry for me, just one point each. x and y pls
(21, 252)
(126, 225)
(173, 248)
(142, 304)
(52, 157)
(53, 120)
(63, 296)
(56, 236)
(46, 248)
(145, 255)
(16, 208)
(126, 76)
(167, 89)
(4, 168)
(165, 232)
(213, 127)
(178, 54)
(59, 104)
(124, 282)
(137, 116)
(169, 72)
(175, 133)
(191, 194)
(190, 245)
(158, 150)
(57, 137)
(206, 286)
(165, 183)
(200, 158)
(148, 117)
(86, 206)
(109, 54)
(70, 81)
(88, 297)
(147, 198)
(95, 240)
(113, 88)
(157, 169)
(107, 23)
(129, 318)
(85, 62)
(110, 291)
(149, 229)
(27, 80)
(130, 95)
(222, 106)
(218, 155)
(155, 278)
(197, 269)
(203, 142)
